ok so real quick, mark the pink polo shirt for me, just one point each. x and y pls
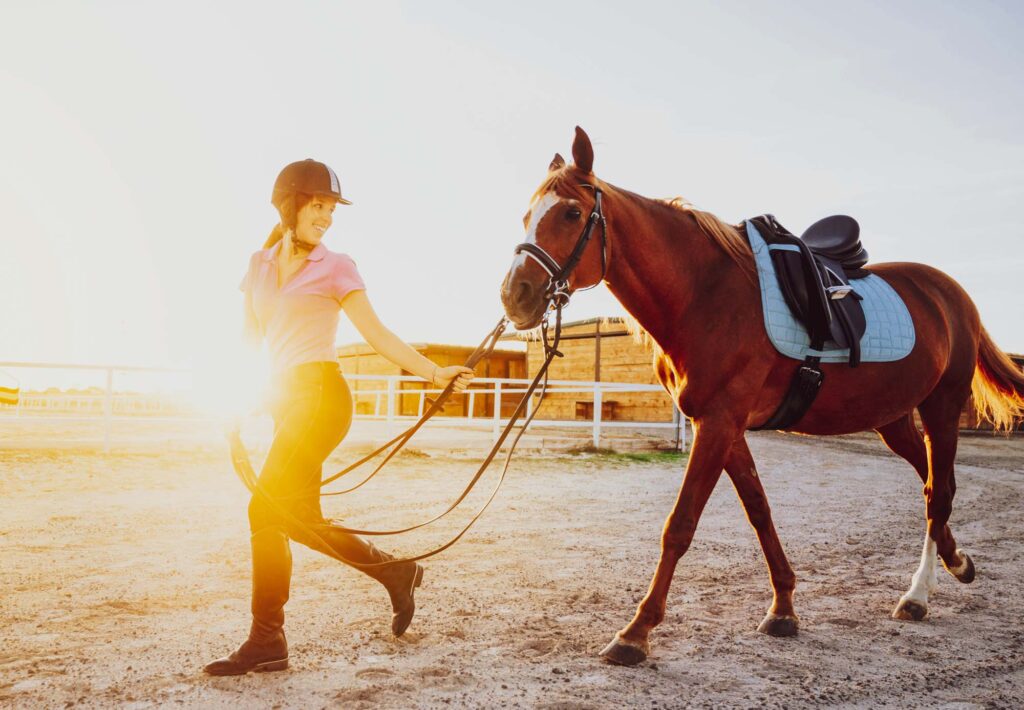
(299, 320)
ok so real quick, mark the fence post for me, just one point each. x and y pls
(677, 421)
(472, 403)
(108, 409)
(597, 415)
(680, 421)
(497, 410)
(391, 406)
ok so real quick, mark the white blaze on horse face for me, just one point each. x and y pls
(537, 212)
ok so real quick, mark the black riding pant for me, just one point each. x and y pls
(312, 410)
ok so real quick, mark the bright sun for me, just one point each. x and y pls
(231, 383)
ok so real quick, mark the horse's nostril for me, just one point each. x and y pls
(523, 291)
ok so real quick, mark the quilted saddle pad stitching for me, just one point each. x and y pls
(889, 336)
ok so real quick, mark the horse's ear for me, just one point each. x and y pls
(557, 163)
(582, 151)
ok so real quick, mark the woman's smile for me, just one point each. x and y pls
(314, 219)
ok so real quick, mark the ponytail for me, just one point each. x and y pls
(288, 205)
(276, 234)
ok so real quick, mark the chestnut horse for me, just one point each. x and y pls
(689, 281)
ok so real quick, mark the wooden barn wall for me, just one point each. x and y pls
(622, 360)
(362, 360)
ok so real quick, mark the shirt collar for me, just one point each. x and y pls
(318, 253)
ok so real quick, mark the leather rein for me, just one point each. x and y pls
(557, 294)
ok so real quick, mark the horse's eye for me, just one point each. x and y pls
(572, 215)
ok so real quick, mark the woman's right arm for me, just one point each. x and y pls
(380, 338)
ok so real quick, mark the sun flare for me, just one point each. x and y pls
(231, 384)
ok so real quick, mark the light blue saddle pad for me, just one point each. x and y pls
(890, 330)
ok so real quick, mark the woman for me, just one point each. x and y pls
(294, 290)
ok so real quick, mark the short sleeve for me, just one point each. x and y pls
(346, 278)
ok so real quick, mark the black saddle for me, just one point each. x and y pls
(815, 271)
(837, 238)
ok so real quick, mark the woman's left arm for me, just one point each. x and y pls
(359, 310)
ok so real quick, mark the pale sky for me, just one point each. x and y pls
(140, 141)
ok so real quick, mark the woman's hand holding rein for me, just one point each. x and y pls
(461, 375)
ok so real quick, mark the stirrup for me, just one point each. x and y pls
(837, 293)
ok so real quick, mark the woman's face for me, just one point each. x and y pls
(314, 219)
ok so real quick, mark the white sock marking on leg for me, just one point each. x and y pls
(925, 578)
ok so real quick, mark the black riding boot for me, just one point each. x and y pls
(400, 580)
(266, 649)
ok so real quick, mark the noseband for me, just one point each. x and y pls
(557, 292)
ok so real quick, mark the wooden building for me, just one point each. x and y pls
(601, 350)
(361, 359)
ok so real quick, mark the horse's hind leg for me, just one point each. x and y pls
(781, 619)
(933, 460)
(904, 439)
(940, 414)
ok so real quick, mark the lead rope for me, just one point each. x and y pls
(558, 298)
(243, 465)
(483, 350)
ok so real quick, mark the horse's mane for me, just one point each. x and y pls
(726, 236)
(559, 181)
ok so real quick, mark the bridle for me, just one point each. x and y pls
(557, 294)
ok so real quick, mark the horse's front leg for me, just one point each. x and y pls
(711, 445)
(781, 619)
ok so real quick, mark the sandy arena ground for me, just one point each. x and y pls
(124, 572)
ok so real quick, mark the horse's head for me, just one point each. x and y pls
(558, 256)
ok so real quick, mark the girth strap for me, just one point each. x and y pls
(803, 390)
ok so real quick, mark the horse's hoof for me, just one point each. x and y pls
(623, 653)
(965, 572)
(909, 610)
(775, 625)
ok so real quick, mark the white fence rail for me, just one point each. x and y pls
(385, 391)
(385, 401)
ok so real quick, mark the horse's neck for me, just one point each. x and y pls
(663, 268)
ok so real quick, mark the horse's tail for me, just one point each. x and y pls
(998, 386)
